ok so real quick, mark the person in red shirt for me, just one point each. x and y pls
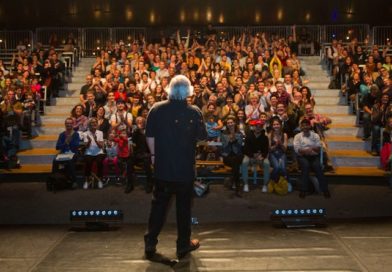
(123, 150)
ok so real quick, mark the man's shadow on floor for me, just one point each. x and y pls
(163, 263)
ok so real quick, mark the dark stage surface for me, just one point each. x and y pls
(365, 246)
(235, 233)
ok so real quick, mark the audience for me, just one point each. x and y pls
(251, 83)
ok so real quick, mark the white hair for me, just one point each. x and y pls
(180, 88)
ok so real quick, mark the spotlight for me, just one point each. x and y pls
(299, 218)
(96, 219)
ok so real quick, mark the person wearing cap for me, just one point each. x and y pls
(122, 118)
(173, 148)
(256, 153)
(307, 146)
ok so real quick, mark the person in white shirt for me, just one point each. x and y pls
(93, 139)
(307, 146)
(162, 71)
(122, 119)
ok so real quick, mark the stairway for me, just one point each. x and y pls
(36, 155)
(349, 154)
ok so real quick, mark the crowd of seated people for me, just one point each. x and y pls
(249, 89)
(32, 75)
(364, 75)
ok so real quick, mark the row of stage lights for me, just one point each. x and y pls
(95, 213)
(298, 212)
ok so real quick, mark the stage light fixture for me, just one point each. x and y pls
(299, 218)
(96, 219)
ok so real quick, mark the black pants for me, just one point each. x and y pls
(234, 161)
(69, 168)
(162, 194)
(145, 160)
(307, 163)
(89, 160)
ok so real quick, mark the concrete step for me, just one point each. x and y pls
(325, 92)
(68, 100)
(37, 156)
(346, 157)
(323, 78)
(70, 93)
(370, 171)
(28, 168)
(317, 85)
(314, 70)
(75, 86)
(66, 109)
(337, 142)
(356, 161)
(54, 119)
(48, 129)
(310, 59)
(345, 131)
(342, 119)
(41, 141)
(329, 100)
(321, 83)
(326, 109)
(367, 171)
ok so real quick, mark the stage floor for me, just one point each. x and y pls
(235, 233)
(247, 246)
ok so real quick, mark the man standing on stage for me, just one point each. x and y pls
(173, 128)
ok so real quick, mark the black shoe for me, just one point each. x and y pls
(193, 245)
(327, 194)
(129, 187)
(150, 254)
(329, 168)
(302, 194)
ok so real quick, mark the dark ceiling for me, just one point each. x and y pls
(17, 14)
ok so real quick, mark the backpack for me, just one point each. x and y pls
(58, 182)
(200, 188)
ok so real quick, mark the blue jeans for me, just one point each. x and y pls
(278, 163)
(262, 163)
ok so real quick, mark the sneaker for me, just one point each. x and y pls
(118, 181)
(374, 153)
(289, 187)
(85, 185)
(246, 188)
(193, 245)
(100, 184)
(264, 189)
